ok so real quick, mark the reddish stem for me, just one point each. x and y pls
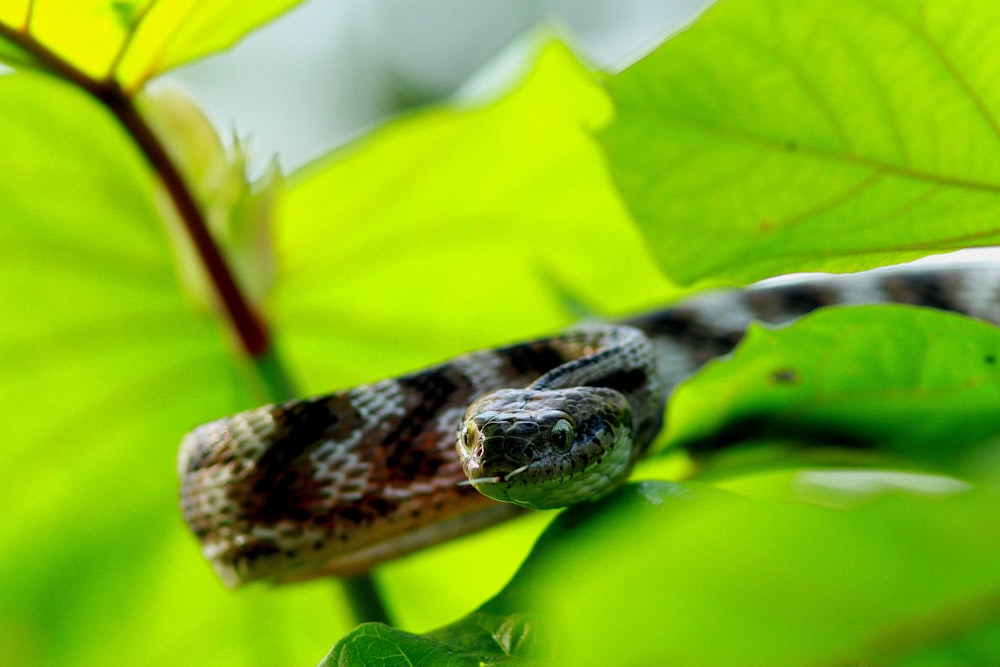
(249, 327)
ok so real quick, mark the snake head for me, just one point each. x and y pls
(547, 448)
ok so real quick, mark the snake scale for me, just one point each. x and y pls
(336, 484)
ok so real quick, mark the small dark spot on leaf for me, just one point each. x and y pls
(990, 359)
(785, 376)
(791, 146)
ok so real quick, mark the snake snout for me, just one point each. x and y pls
(506, 442)
(522, 430)
(498, 446)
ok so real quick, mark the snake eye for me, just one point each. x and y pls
(469, 437)
(562, 435)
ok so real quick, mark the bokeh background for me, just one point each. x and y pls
(95, 565)
(327, 71)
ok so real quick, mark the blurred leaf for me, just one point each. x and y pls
(654, 578)
(461, 227)
(14, 55)
(422, 589)
(503, 630)
(132, 42)
(104, 369)
(667, 573)
(838, 135)
(590, 525)
(913, 381)
(238, 212)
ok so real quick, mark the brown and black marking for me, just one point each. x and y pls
(785, 302)
(532, 359)
(414, 449)
(942, 291)
(691, 330)
(283, 483)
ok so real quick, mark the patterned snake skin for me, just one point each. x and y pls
(339, 483)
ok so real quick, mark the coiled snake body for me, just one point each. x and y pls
(338, 483)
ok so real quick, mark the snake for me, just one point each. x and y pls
(337, 484)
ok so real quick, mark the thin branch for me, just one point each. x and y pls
(29, 13)
(365, 599)
(250, 329)
(252, 333)
(127, 42)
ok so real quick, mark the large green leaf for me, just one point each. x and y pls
(769, 582)
(663, 573)
(506, 215)
(778, 136)
(912, 381)
(132, 41)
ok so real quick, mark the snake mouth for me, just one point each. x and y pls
(496, 451)
(495, 479)
(495, 487)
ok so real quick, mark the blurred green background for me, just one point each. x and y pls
(105, 361)
(444, 191)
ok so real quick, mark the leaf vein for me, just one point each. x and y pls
(828, 155)
(946, 62)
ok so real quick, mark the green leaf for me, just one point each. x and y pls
(507, 203)
(665, 574)
(593, 526)
(16, 56)
(132, 42)
(779, 583)
(913, 381)
(504, 629)
(104, 368)
(479, 640)
(837, 135)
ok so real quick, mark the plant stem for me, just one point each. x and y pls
(249, 328)
(365, 600)
(245, 323)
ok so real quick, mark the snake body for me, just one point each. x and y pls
(336, 484)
